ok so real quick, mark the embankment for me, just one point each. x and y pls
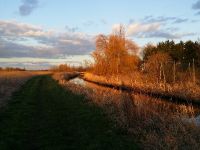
(166, 95)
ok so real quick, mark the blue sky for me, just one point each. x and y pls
(64, 31)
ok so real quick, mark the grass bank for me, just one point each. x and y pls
(157, 124)
(42, 115)
(187, 94)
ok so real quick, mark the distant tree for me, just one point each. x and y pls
(167, 46)
(198, 54)
(62, 68)
(178, 52)
(149, 50)
(183, 53)
(190, 51)
(158, 65)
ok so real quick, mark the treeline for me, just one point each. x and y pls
(11, 69)
(68, 68)
(165, 62)
(182, 52)
(170, 62)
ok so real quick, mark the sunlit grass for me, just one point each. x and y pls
(186, 90)
(157, 124)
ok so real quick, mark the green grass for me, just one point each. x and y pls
(42, 115)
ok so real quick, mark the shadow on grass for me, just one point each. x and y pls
(42, 115)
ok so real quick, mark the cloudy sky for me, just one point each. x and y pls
(37, 34)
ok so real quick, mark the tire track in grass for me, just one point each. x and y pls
(42, 115)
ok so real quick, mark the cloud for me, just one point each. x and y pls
(152, 30)
(198, 13)
(195, 20)
(166, 35)
(161, 34)
(11, 49)
(196, 5)
(180, 20)
(151, 19)
(27, 7)
(41, 63)
(89, 23)
(13, 28)
(26, 40)
(103, 21)
(163, 19)
(137, 28)
(71, 29)
(156, 27)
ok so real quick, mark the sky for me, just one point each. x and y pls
(38, 34)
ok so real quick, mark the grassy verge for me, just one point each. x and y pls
(11, 81)
(42, 115)
(188, 93)
(157, 124)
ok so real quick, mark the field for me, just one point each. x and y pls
(99, 75)
(11, 81)
(55, 111)
(42, 115)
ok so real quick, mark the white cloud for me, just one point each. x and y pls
(42, 63)
(151, 30)
(136, 28)
(116, 27)
(14, 28)
(20, 39)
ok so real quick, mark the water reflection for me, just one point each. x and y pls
(155, 105)
(78, 81)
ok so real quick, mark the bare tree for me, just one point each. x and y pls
(158, 66)
(115, 54)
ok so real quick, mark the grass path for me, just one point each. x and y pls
(42, 115)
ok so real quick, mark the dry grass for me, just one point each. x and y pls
(10, 81)
(63, 77)
(183, 89)
(154, 123)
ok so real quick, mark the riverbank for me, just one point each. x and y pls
(155, 123)
(187, 93)
(63, 77)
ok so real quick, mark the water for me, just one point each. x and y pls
(188, 113)
(78, 81)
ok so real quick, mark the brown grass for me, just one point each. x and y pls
(11, 81)
(182, 89)
(63, 77)
(154, 123)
